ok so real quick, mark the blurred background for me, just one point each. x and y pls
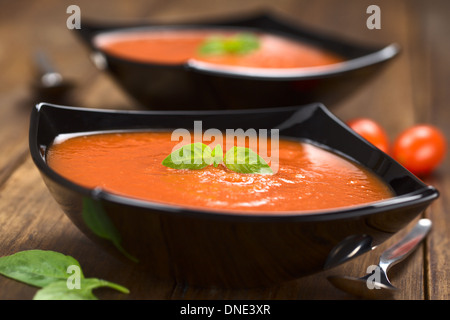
(412, 89)
(26, 26)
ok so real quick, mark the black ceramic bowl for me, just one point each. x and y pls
(198, 86)
(223, 249)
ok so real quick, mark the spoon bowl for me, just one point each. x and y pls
(359, 287)
(376, 285)
(49, 83)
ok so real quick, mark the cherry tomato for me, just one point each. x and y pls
(371, 131)
(420, 149)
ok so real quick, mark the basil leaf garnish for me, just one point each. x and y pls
(191, 156)
(241, 43)
(245, 160)
(217, 155)
(198, 156)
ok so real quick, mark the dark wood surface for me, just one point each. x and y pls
(413, 89)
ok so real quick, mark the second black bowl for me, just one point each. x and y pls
(198, 86)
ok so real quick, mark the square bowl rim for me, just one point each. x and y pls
(376, 55)
(424, 194)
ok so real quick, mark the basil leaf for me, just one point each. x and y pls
(59, 290)
(245, 160)
(101, 225)
(198, 156)
(37, 267)
(191, 156)
(212, 46)
(217, 155)
(241, 43)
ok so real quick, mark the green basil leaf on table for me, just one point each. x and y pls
(37, 267)
(50, 271)
(59, 291)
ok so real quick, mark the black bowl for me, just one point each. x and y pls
(198, 86)
(223, 249)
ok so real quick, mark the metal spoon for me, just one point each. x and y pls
(376, 285)
(50, 82)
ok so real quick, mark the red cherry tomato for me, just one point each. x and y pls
(371, 131)
(420, 149)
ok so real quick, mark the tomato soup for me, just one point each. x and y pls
(177, 47)
(130, 164)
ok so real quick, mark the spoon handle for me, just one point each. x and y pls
(43, 63)
(402, 249)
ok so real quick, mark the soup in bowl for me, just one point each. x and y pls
(256, 61)
(206, 218)
(131, 164)
(241, 48)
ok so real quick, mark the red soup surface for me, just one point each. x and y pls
(130, 164)
(175, 47)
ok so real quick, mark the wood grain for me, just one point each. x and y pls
(413, 89)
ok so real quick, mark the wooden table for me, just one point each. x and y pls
(413, 89)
